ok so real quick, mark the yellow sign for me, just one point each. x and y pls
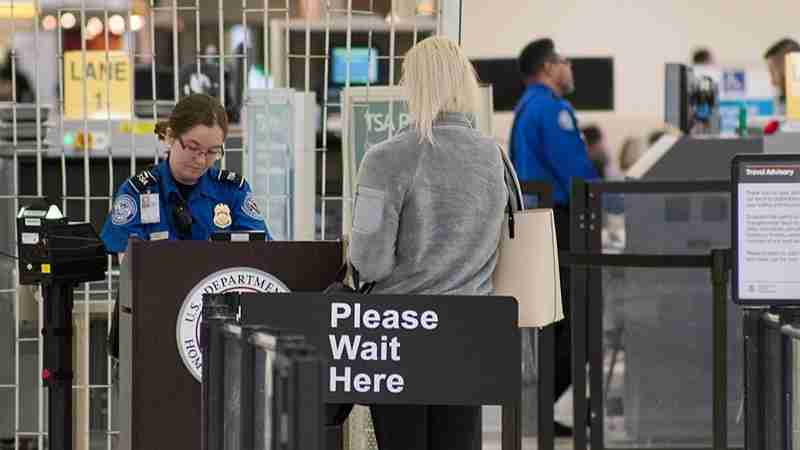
(45, 268)
(107, 79)
(143, 127)
(793, 86)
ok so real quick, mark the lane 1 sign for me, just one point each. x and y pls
(107, 77)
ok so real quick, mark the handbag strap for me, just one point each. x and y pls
(341, 276)
(366, 288)
(513, 189)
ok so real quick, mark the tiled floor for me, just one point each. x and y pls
(492, 429)
(528, 443)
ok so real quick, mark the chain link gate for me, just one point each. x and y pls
(86, 80)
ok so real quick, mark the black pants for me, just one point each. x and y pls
(412, 427)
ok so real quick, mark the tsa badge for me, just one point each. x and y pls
(222, 216)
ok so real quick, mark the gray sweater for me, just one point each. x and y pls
(427, 217)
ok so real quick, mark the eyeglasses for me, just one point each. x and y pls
(214, 153)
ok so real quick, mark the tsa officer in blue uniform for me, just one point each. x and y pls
(184, 196)
(546, 145)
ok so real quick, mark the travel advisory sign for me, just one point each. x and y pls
(236, 279)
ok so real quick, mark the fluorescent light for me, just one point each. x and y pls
(68, 20)
(116, 24)
(137, 22)
(94, 26)
(49, 22)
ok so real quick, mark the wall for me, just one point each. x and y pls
(641, 35)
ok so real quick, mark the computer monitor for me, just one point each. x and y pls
(594, 84)
(503, 74)
(363, 65)
(677, 91)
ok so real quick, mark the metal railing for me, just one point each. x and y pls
(262, 388)
(588, 258)
(772, 338)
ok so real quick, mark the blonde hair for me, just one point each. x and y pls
(631, 151)
(438, 77)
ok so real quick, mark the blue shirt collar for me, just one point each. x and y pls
(205, 186)
(540, 88)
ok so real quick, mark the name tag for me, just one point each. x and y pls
(150, 209)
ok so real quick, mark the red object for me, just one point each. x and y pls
(771, 127)
(46, 374)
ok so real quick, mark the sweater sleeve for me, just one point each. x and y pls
(382, 184)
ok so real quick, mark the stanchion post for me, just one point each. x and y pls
(57, 373)
(217, 309)
(545, 356)
(719, 279)
(545, 350)
(753, 394)
(578, 310)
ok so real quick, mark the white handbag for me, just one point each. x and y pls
(527, 265)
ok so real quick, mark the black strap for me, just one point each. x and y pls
(366, 288)
(341, 276)
(513, 192)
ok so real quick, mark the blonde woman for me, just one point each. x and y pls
(428, 211)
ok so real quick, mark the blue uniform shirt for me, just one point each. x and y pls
(546, 143)
(221, 201)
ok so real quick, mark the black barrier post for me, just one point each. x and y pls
(57, 373)
(753, 395)
(594, 308)
(511, 426)
(786, 371)
(310, 424)
(248, 390)
(216, 311)
(545, 351)
(577, 309)
(788, 321)
(719, 277)
(544, 364)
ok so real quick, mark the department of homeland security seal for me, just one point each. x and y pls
(237, 279)
(124, 210)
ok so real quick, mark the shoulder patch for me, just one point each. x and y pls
(124, 210)
(231, 177)
(565, 120)
(143, 180)
(250, 207)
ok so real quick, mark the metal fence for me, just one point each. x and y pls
(72, 133)
(772, 340)
(650, 316)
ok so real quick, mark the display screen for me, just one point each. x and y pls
(594, 82)
(363, 65)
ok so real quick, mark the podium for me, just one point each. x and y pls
(161, 289)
